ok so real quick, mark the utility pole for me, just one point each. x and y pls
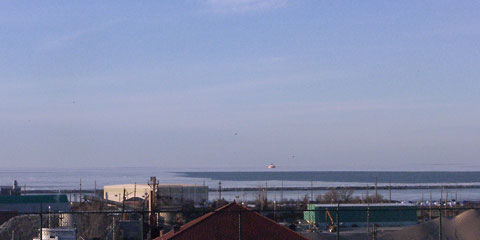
(446, 202)
(240, 225)
(367, 193)
(275, 207)
(219, 190)
(80, 190)
(311, 191)
(441, 197)
(41, 221)
(440, 234)
(49, 222)
(376, 192)
(338, 221)
(135, 191)
(113, 228)
(281, 193)
(368, 218)
(123, 205)
(266, 192)
(431, 204)
(390, 192)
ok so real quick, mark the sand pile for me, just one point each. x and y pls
(465, 226)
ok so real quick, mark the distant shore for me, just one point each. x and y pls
(253, 189)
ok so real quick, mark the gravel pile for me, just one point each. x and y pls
(24, 227)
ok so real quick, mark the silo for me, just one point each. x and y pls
(65, 220)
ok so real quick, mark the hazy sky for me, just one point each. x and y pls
(341, 85)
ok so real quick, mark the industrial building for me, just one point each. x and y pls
(35, 203)
(182, 193)
(64, 231)
(58, 234)
(115, 192)
(177, 193)
(350, 215)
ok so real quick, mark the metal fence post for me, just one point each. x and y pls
(368, 219)
(41, 221)
(240, 225)
(440, 237)
(338, 221)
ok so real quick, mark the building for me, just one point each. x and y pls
(382, 214)
(129, 229)
(232, 221)
(64, 231)
(58, 234)
(35, 203)
(115, 192)
(183, 193)
(178, 193)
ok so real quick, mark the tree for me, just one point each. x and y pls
(346, 195)
(343, 195)
(332, 196)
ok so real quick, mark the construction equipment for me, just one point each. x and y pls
(331, 227)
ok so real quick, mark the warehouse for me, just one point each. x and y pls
(350, 215)
(179, 193)
(115, 192)
(35, 203)
(182, 193)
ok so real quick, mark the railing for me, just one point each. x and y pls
(108, 224)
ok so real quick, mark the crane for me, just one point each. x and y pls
(330, 225)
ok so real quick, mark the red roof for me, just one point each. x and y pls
(223, 223)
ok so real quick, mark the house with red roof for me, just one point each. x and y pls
(232, 221)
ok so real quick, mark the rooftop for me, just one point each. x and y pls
(60, 198)
(232, 221)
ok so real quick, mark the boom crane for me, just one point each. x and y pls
(330, 225)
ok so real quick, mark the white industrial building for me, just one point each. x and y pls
(65, 230)
(115, 192)
(58, 234)
(179, 193)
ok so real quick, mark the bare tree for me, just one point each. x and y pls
(332, 196)
(343, 195)
(346, 195)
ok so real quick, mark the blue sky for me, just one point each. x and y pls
(343, 85)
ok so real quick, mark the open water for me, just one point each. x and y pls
(58, 178)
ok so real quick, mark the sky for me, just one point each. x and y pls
(307, 84)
